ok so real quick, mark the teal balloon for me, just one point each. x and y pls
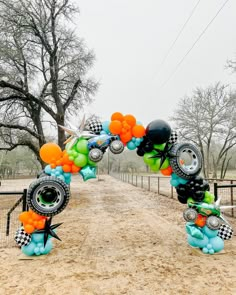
(37, 238)
(194, 231)
(61, 177)
(182, 181)
(48, 169)
(48, 247)
(205, 250)
(210, 233)
(131, 145)
(29, 249)
(217, 244)
(88, 172)
(174, 182)
(82, 146)
(200, 243)
(81, 160)
(105, 126)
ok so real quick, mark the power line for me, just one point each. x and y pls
(190, 49)
(176, 39)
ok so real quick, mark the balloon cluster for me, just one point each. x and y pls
(31, 236)
(159, 147)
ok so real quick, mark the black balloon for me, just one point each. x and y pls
(195, 189)
(158, 131)
(145, 147)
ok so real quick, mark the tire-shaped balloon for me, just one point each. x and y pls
(116, 147)
(190, 214)
(185, 160)
(95, 155)
(213, 222)
(48, 196)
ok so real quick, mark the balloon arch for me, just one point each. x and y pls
(158, 144)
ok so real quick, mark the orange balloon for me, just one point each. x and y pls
(53, 166)
(125, 137)
(24, 216)
(115, 127)
(117, 116)
(75, 169)
(138, 131)
(201, 220)
(41, 224)
(29, 228)
(167, 172)
(66, 160)
(50, 152)
(130, 119)
(66, 168)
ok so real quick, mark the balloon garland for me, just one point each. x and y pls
(157, 144)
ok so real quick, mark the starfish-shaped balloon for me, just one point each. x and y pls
(76, 134)
(162, 154)
(48, 230)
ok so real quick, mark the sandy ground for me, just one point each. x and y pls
(119, 239)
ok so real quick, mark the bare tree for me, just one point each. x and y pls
(43, 70)
(207, 118)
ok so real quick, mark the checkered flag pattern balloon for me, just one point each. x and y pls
(225, 232)
(173, 137)
(22, 238)
(94, 125)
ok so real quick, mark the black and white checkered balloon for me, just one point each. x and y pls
(94, 125)
(173, 137)
(225, 232)
(21, 237)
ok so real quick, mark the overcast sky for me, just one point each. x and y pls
(132, 37)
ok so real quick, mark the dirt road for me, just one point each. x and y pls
(119, 239)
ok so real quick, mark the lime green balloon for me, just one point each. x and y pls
(160, 146)
(190, 200)
(70, 152)
(71, 158)
(74, 153)
(166, 164)
(156, 166)
(81, 160)
(91, 163)
(82, 146)
(208, 198)
(147, 159)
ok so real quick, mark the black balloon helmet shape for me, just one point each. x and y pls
(158, 131)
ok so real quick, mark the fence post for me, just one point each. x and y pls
(142, 181)
(232, 197)
(149, 183)
(24, 204)
(215, 190)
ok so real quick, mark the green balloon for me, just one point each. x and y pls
(82, 146)
(81, 160)
(156, 166)
(71, 158)
(166, 164)
(208, 198)
(160, 146)
(91, 163)
(147, 159)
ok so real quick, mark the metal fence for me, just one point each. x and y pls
(226, 188)
(11, 205)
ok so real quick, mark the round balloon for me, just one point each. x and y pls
(158, 131)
